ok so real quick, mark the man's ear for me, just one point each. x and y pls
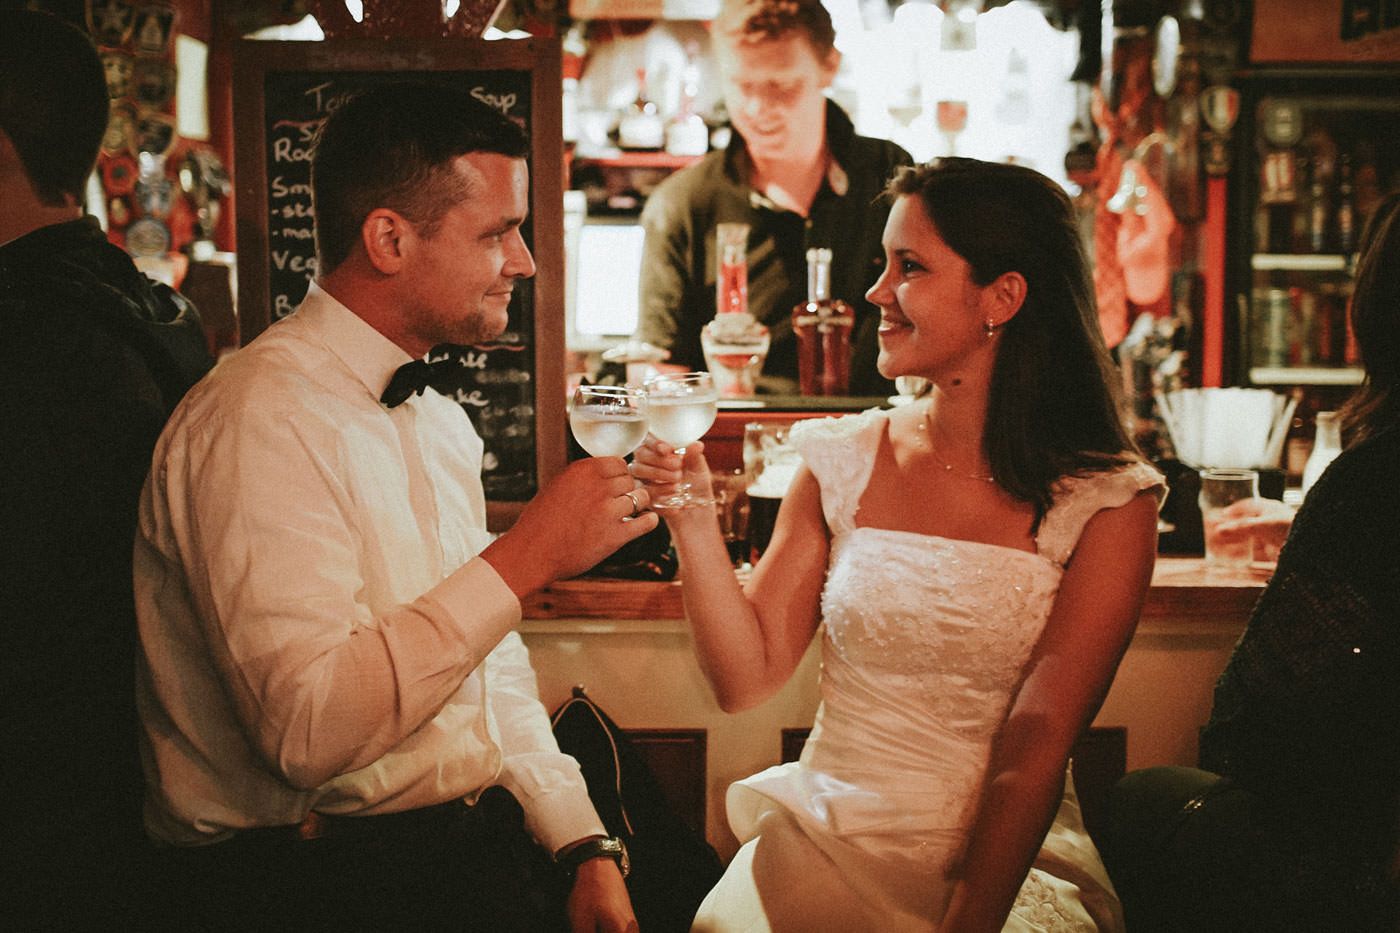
(831, 64)
(387, 237)
(1006, 295)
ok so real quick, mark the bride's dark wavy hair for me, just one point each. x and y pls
(1054, 408)
(1375, 319)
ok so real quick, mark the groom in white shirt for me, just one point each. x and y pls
(330, 680)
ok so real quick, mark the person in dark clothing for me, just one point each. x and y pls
(796, 172)
(93, 358)
(1295, 823)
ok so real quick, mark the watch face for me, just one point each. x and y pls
(607, 847)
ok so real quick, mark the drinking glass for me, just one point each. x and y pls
(1221, 488)
(770, 464)
(735, 346)
(680, 409)
(732, 505)
(608, 421)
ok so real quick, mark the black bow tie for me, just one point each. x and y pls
(413, 377)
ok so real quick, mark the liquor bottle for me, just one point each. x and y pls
(1278, 194)
(1302, 349)
(687, 134)
(575, 50)
(1275, 310)
(641, 126)
(731, 268)
(1366, 182)
(1346, 206)
(823, 327)
(1327, 444)
(1351, 349)
(1330, 326)
(1318, 209)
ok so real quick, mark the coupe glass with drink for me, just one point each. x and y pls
(735, 344)
(680, 409)
(608, 421)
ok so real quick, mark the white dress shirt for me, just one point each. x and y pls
(317, 632)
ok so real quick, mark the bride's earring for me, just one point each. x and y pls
(990, 327)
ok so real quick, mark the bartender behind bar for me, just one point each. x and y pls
(796, 172)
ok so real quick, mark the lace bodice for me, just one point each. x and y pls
(947, 623)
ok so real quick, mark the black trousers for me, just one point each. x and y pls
(1191, 852)
(444, 868)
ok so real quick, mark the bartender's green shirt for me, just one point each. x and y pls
(678, 263)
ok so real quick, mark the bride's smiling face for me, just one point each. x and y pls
(931, 320)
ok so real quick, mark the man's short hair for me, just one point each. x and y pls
(758, 20)
(53, 102)
(392, 147)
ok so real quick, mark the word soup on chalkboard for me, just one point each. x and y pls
(507, 387)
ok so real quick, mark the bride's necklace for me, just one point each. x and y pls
(948, 467)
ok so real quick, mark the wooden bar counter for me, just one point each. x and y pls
(627, 642)
(1183, 594)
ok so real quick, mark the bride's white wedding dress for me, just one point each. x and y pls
(923, 645)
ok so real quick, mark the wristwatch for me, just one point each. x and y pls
(604, 847)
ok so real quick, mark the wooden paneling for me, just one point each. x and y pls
(792, 742)
(677, 758)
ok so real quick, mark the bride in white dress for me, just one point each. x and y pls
(974, 563)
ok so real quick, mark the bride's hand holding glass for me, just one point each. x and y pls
(681, 407)
(663, 469)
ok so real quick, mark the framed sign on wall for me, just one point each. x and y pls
(1325, 32)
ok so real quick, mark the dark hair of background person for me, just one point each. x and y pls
(1054, 408)
(392, 147)
(56, 127)
(757, 20)
(1375, 319)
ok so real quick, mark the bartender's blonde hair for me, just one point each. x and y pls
(758, 20)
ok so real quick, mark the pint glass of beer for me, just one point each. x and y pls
(770, 463)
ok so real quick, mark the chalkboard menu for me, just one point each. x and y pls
(512, 388)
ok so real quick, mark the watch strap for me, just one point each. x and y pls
(604, 847)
